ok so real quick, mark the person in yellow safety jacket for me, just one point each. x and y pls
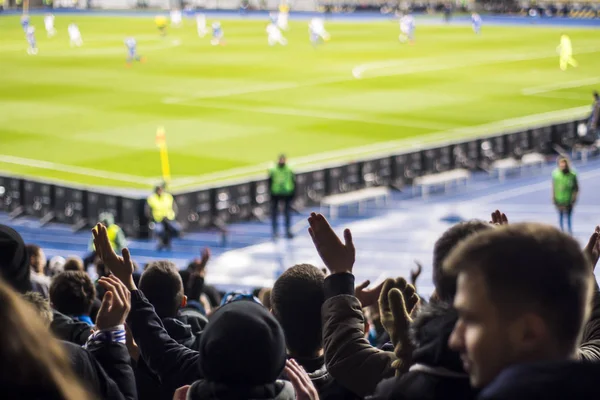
(282, 187)
(162, 210)
(116, 236)
(565, 190)
(565, 49)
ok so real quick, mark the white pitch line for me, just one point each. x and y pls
(563, 96)
(327, 115)
(392, 146)
(115, 176)
(559, 85)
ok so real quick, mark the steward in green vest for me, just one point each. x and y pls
(282, 187)
(565, 190)
(161, 209)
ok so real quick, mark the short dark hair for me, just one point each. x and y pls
(532, 268)
(73, 264)
(41, 306)
(72, 293)
(596, 95)
(296, 300)
(445, 283)
(32, 249)
(162, 286)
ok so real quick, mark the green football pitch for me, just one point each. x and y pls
(80, 115)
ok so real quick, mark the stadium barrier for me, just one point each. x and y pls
(218, 206)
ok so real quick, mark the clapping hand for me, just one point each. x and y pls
(121, 266)
(303, 386)
(499, 218)
(116, 303)
(338, 257)
(592, 249)
(367, 297)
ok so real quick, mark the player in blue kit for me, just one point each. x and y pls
(30, 35)
(25, 22)
(132, 54)
(476, 22)
(218, 36)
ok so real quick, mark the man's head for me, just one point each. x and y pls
(14, 260)
(72, 293)
(158, 189)
(563, 164)
(296, 301)
(596, 96)
(41, 306)
(445, 283)
(242, 346)
(106, 219)
(282, 160)
(162, 285)
(37, 258)
(74, 264)
(523, 296)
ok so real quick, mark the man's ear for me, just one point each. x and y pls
(184, 301)
(528, 332)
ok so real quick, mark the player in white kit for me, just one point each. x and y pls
(274, 35)
(75, 35)
(201, 24)
(407, 29)
(176, 17)
(316, 28)
(49, 23)
(30, 35)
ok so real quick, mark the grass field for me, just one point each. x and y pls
(80, 115)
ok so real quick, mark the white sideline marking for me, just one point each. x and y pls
(563, 96)
(391, 146)
(559, 85)
(76, 170)
(415, 66)
(410, 68)
(327, 115)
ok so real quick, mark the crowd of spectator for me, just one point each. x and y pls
(515, 315)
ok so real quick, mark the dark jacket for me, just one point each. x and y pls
(327, 387)
(437, 371)
(172, 362)
(182, 331)
(205, 390)
(546, 381)
(66, 328)
(349, 356)
(105, 370)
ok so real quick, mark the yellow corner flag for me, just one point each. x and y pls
(161, 142)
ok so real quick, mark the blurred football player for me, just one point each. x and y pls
(30, 35)
(75, 35)
(316, 29)
(49, 24)
(176, 17)
(201, 24)
(476, 23)
(407, 29)
(565, 49)
(218, 36)
(274, 35)
(161, 24)
(283, 16)
(132, 54)
(25, 22)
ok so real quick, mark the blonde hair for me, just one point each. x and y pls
(32, 362)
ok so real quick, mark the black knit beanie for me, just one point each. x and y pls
(14, 260)
(242, 345)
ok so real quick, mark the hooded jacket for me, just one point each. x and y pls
(205, 390)
(546, 381)
(437, 371)
(326, 385)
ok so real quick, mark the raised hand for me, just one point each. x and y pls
(116, 303)
(121, 266)
(367, 297)
(181, 393)
(415, 273)
(592, 249)
(303, 386)
(396, 303)
(338, 257)
(499, 218)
